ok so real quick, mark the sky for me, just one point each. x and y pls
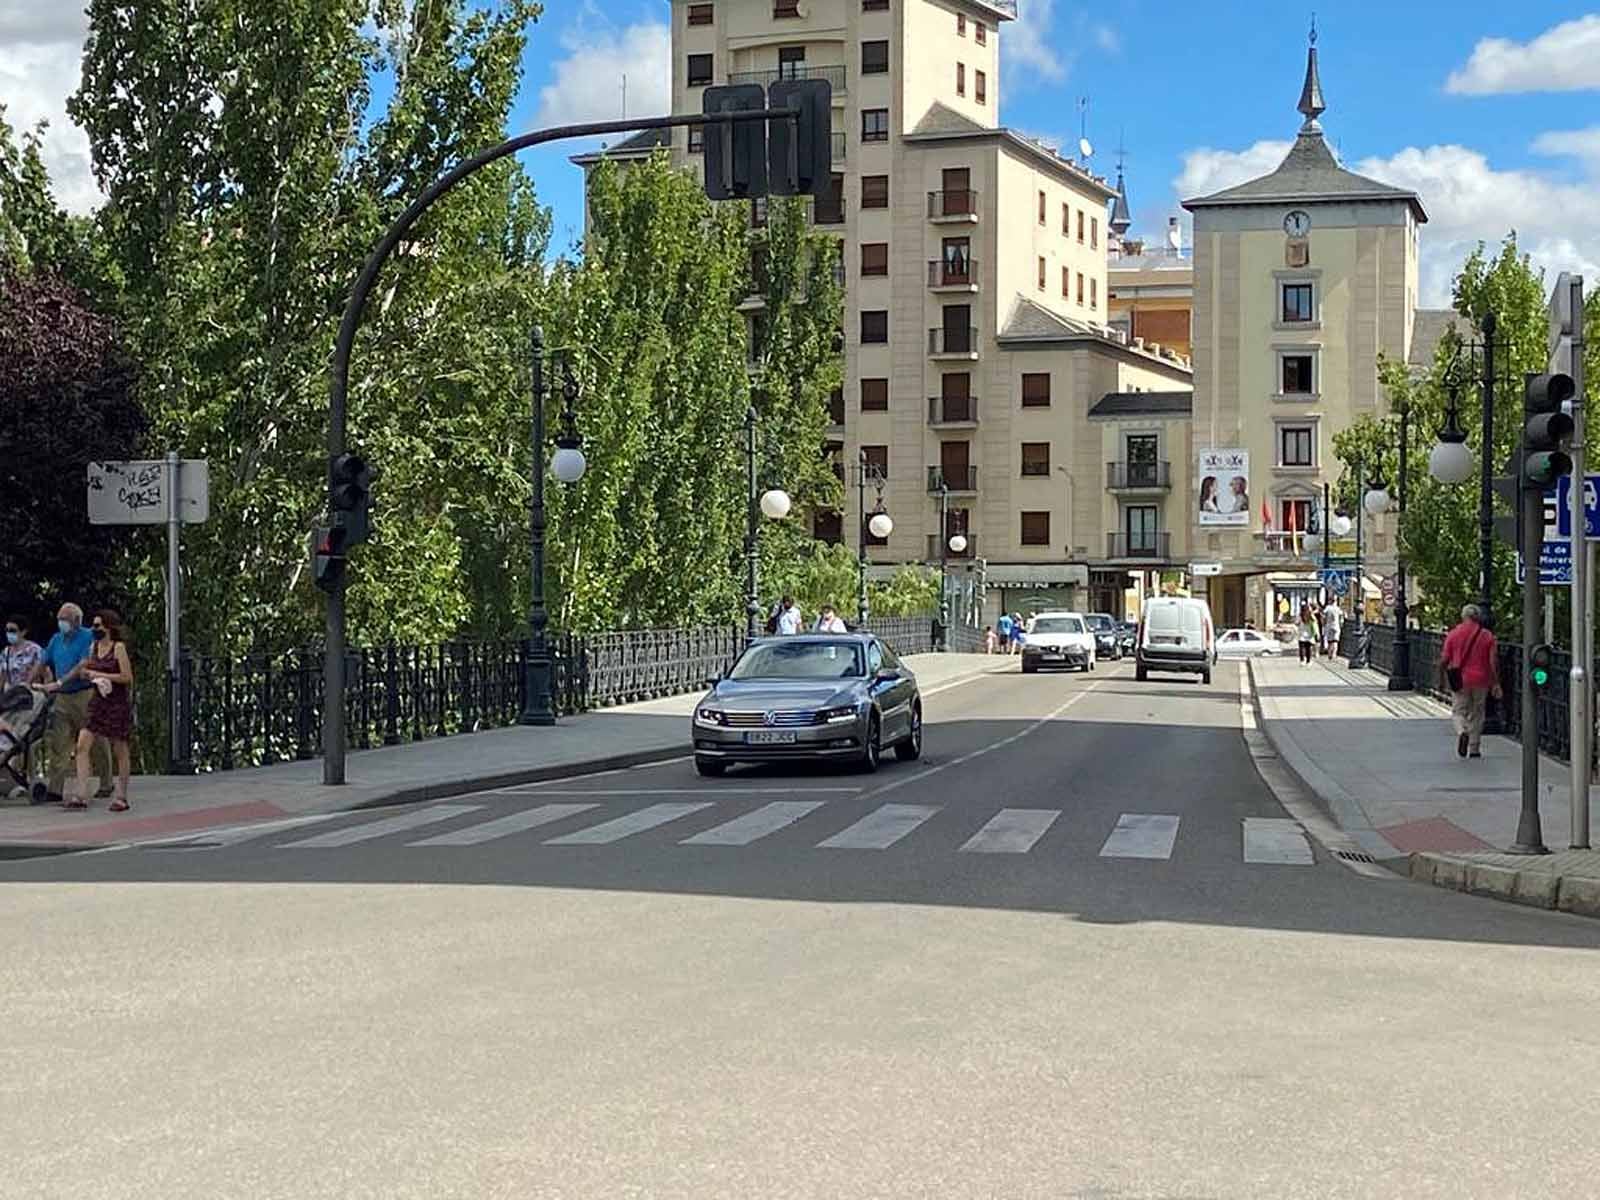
(1490, 111)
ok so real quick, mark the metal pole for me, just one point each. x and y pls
(944, 585)
(1578, 694)
(175, 754)
(752, 551)
(1486, 479)
(1530, 834)
(537, 708)
(861, 540)
(1400, 676)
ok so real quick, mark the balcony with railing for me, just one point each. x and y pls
(1154, 547)
(952, 410)
(836, 410)
(953, 274)
(828, 211)
(957, 479)
(1138, 476)
(955, 342)
(1286, 546)
(836, 75)
(836, 147)
(970, 550)
(953, 207)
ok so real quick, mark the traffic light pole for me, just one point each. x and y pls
(1579, 690)
(1530, 833)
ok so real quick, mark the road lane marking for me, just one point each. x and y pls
(351, 834)
(1012, 831)
(1142, 835)
(627, 826)
(992, 746)
(707, 790)
(880, 828)
(741, 831)
(1276, 840)
(487, 831)
(233, 835)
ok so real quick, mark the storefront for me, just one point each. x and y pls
(1028, 589)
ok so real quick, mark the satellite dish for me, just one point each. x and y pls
(1084, 148)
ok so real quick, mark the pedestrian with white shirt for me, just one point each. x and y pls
(828, 621)
(788, 616)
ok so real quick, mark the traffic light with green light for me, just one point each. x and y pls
(1546, 424)
(1541, 665)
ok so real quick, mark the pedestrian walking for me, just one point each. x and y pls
(1003, 626)
(1332, 623)
(1469, 662)
(1017, 627)
(788, 616)
(19, 658)
(829, 621)
(109, 672)
(989, 639)
(66, 649)
(1306, 629)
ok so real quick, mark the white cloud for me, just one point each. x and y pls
(587, 83)
(1107, 39)
(1581, 144)
(41, 55)
(1206, 170)
(1026, 46)
(1564, 58)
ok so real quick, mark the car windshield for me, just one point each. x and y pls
(799, 660)
(1058, 625)
(1101, 623)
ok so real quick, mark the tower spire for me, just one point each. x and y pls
(1311, 102)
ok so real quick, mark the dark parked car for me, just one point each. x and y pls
(1127, 636)
(1107, 637)
(809, 697)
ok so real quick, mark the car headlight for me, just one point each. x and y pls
(708, 716)
(837, 716)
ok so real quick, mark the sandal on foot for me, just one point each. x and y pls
(75, 804)
(117, 806)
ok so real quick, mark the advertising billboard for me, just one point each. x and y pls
(1224, 489)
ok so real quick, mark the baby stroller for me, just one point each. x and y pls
(24, 717)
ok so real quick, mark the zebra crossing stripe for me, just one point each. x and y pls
(1012, 831)
(1276, 840)
(372, 830)
(880, 828)
(487, 831)
(1142, 835)
(741, 831)
(625, 826)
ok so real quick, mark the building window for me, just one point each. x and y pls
(980, 87)
(1035, 529)
(1036, 389)
(874, 395)
(1139, 523)
(1094, 233)
(1297, 372)
(961, 79)
(791, 62)
(697, 143)
(1066, 283)
(1296, 303)
(874, 191)
(1094, 293)
(961, 24)
(1080, 287)
(1066, 220)
(1041, 274)
(874, 258)
(700, 14)
(1294, 515)
(875, 125)
(1080, 226)
(1041, 208)
(874, 5)
(980, 33)
(836, 406)
(1295, 446)
(874, 58)
(785, 8)
(829, 209)
(1036, 458)
(874, 326)
(1143, 459)
(699, 70)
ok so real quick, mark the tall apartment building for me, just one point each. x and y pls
(975, 338)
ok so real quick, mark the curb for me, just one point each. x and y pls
(1577, 894)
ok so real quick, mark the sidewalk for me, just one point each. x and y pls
(1384, 764)
(165, 805)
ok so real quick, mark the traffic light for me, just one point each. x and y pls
(1541, 665)
(735, 151)
(350, 497)
(327, 557)
(800, 150)
(1545, 426)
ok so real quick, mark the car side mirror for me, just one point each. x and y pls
(713, 681)
(884, 673)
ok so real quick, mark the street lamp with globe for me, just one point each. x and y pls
(773, 504)
(878, 523)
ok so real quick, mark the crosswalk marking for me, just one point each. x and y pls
(487, 831)
(741, 831)
(1012, 831)
(377, 829)
(1142, 835)
(635, 822)
(880, 828)
(1276, 840)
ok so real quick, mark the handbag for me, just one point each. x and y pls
(1452, 675)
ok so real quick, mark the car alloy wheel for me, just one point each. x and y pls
(872, 752)
(910, 749)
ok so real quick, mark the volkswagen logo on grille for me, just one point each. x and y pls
(769, 717)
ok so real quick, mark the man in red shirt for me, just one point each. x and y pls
(1470, 662)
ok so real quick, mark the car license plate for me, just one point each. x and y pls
(769, 737)
(1052, 654)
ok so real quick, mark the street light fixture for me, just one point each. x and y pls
(958, 544)
(774, 504)
(879, 524)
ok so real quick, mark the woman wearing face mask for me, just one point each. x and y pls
(19, 658)
(110, 670)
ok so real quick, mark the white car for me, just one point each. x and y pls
(1058, 639)
(1246, 643)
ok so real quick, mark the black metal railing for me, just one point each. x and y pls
(960, 203)
(952, 410)
(952, 272)
(1138, 475)
(1138, 545)
(957, 479)
(954, 340)
(905, 635)
(835, 75)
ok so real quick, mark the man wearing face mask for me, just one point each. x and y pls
(19, 658)
(69, 647)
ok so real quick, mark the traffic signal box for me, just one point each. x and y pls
(1546, 425)
(744, 159)
(350, 510)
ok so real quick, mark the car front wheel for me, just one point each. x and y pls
(872, 751)
(909, 749)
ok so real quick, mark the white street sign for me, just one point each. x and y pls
(1205, 568)
(137, 493)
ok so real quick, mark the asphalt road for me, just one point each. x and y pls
(1071, 953)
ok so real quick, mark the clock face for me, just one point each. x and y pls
(1297, 224)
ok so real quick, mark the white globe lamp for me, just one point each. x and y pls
(568, 464)
(1340, 525)
(775, 504)
(1450, 462)
(1377, 501)
(880, 525)
(958, 544)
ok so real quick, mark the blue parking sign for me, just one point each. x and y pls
(1591, 507)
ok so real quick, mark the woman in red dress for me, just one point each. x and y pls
(110, 670)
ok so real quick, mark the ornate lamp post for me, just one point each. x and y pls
(1451, 460)
(568, 465)
(944, 581)
(774, 504)
(1377, 501)
(880, 524)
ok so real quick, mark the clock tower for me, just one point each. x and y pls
(1302, 277)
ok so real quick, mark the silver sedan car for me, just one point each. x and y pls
(841, 697)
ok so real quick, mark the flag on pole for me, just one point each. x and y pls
(1294, 532)
(1266, 516)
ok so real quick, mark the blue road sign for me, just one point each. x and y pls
(1591, 507)
(1555, 565)
(1337, 582)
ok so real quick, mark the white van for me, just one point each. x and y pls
(1176, 634)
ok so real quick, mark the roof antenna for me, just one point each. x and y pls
(1084, 147)
(624, 95)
